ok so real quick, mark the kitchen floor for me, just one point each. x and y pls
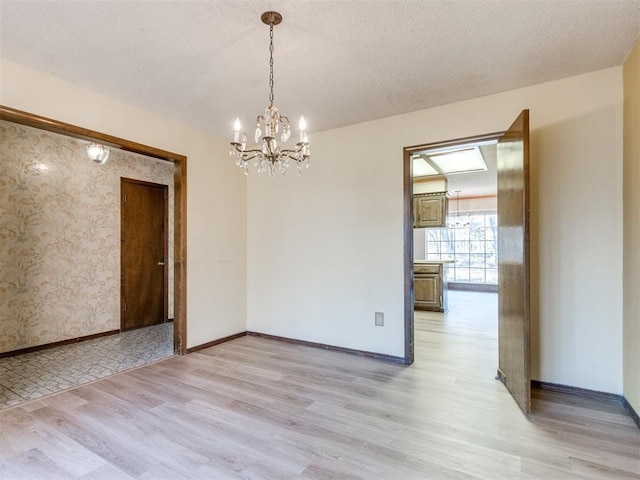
(37, 374)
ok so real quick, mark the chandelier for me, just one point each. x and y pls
(267, 155)
(457, 223)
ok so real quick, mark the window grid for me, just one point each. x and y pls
(473, 247)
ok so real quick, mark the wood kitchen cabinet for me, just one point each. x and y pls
(430, 210)
(430, 287)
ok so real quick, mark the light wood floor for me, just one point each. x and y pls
(260, 409)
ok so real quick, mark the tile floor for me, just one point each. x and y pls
(35, 375)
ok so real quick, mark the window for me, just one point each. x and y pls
(472, 244)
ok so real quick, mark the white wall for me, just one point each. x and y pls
(216, 190)
(430, 187)
(419, 239)
(325, 251)
(476, 204)
(632, 228)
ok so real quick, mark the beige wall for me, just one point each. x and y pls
(216, 191)
(307, 271)
(312, 276)
(419, 247)
(480, 204)
(60, 231)
(631, 329)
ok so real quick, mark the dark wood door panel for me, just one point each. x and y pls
(144, 254)
(514, 361)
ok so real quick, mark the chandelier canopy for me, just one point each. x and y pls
(267, 155)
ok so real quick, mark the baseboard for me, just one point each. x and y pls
(630, 409)
(216, 342)
(580, 392)
(361, 353)
(585, 393)
(46, 346)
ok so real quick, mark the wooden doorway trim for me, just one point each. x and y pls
(180, 200)
(408, 228)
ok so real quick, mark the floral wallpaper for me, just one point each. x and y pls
(60, 236)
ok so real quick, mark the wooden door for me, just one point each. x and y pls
(144, 282)
(514, 363)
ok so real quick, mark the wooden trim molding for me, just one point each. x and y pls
(361, 353)
(43, 123)
(46, 346)
(456, 141)
(580, 392)
(216, 342)
(180, 199)
(180, 256)
(634, 415)
(585, 393)
(407, 254)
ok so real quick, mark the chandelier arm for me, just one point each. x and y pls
(238, 147)
(298, 148)
(253, 151)
(296, 158)
(256, 155)
(293, 155)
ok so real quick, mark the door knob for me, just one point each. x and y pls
(161, 263)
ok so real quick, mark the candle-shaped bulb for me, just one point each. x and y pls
(303, 126)
(236, 130)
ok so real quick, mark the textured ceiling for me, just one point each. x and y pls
(339, 62)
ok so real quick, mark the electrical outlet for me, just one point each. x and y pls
(379, 319)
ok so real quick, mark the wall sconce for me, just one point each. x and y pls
(98, 153)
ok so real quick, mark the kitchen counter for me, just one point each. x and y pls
(430, 288)
(439, 262)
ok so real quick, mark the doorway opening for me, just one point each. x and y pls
(455, 263)
(512, 232)
(180, 210)
(418, 234)
(66, 149)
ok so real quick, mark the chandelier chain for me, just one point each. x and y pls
(271, 64)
